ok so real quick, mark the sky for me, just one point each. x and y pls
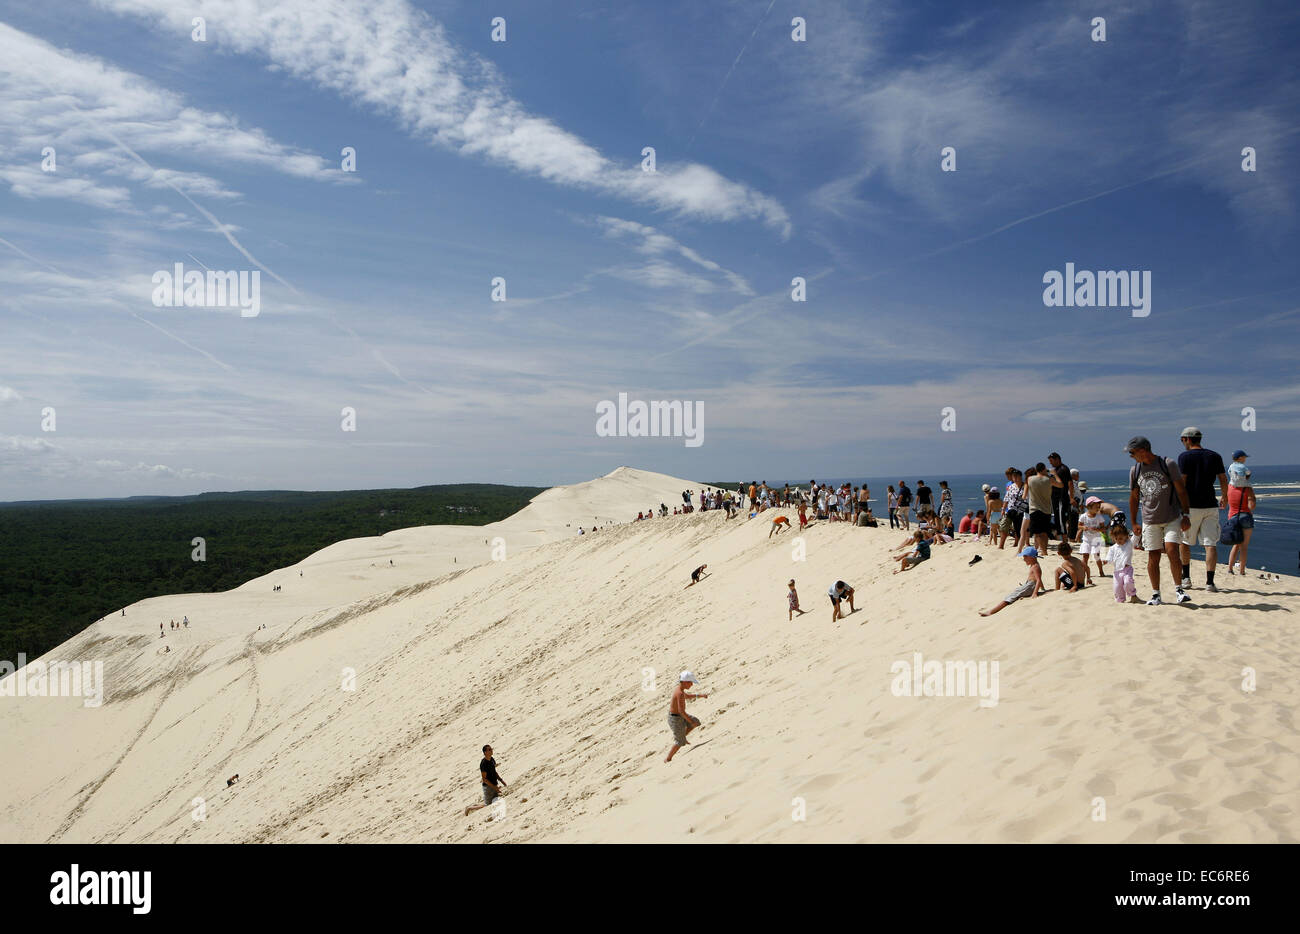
(792, 141)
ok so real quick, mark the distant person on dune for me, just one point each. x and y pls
(679, 721)
(793, 599)
(779, 524)
(490, 781)
(697, 575)
(840, 591)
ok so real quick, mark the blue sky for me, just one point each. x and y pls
(522, 159)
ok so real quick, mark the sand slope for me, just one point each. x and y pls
(548, 655)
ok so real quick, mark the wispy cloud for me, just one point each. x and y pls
(396, 58)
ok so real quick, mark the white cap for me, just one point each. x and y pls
(688, 676)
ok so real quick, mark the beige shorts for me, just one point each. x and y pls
(678, 726)
(1155, 537)
(1205, 528)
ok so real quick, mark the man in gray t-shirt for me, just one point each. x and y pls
(1156, 484)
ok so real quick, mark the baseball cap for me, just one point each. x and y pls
(688, 676)
(1136, 443)
(1091, 499)
(1190, 432)
(1030, 552)
(1237, 454)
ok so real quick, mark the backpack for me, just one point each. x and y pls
(904, 497)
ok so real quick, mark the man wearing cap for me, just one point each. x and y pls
(679, 721)
(1157, 484)
(1201, 467)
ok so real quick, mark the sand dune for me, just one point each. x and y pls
(562, 656)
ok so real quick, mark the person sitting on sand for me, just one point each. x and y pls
(840, 591)
(679, 721)
(697, 575)
(964, 526)
(489, 779)
(920, 552)
(232, 779)
(1072, 574)
(1030, 588)
(779, 524)
(793, 598)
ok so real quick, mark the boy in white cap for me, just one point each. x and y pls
(679, 721)
(1029, 588)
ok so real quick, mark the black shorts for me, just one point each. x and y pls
(1040, 523)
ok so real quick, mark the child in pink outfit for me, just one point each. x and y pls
(1120, 558)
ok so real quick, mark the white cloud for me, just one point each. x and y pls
(80, 106)
(389, 55)
(653, 242)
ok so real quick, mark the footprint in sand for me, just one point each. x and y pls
(1246, 801)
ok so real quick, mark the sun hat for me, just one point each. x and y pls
(1030, 552)
(986, 488)
(1091, 499)
(688, 675)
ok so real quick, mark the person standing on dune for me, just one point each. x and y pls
(490, 780)
(679, 721)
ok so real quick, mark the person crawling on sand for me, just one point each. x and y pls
(1072, 574)
(489, 779)
(779, 524)
(1030, 588)
(697, 575)
(679, 721)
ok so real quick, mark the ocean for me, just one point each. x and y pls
(1275, 546)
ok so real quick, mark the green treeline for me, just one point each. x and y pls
(65, 564)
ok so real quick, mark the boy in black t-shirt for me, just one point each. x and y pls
(489, 779)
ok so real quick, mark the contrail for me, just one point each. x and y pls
(708, 113)
(212, 218)
(184, 343)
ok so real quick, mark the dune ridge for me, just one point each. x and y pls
(563, 654)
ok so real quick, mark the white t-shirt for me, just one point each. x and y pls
(1120, 556)
(839, 593)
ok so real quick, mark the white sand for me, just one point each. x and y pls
(543, 655)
